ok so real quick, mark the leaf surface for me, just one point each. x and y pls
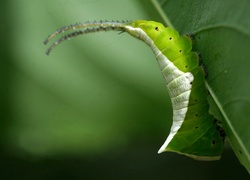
(221, 31)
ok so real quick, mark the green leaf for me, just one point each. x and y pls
(221, 31)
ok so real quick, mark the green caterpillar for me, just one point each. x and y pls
(194, 131)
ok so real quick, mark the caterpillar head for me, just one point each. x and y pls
(151, 28)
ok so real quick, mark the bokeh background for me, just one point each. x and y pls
(96, 108)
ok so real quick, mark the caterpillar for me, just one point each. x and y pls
(194, 131)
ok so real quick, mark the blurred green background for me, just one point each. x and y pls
(96, 108)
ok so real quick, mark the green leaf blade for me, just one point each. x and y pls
(222, 38)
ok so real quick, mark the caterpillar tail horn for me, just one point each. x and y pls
(84, 28)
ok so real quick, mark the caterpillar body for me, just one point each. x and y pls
(194, 131)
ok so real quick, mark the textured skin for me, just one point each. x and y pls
(194, 132)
